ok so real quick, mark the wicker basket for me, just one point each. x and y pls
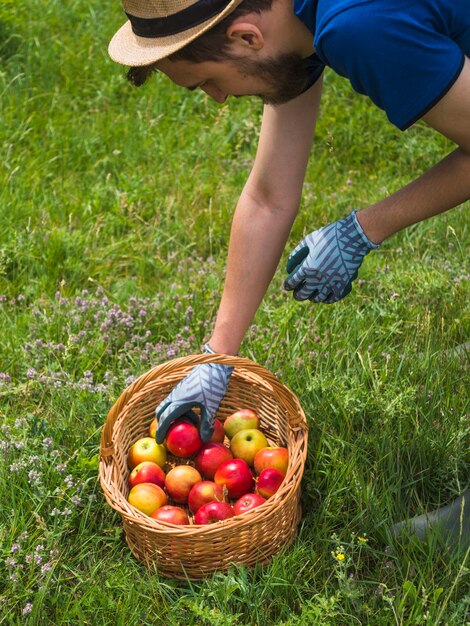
(197, 551)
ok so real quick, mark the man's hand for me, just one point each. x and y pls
(203, 387)
(324, 264)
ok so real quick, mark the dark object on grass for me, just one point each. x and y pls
(450, 522)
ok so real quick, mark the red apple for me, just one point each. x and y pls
(147, 497)
(210, 456)
(183, 439)
(213, 512)
(246, 443)
(218, 435)
(236, 476)
(179, 482)
(171, 515)
(204, 492)
(147, 472)
(240, 420)
(153, 428)
(269, 482)
(272, 457)
(247, 502)
(146, 449)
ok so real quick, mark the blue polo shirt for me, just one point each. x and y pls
(404, 54)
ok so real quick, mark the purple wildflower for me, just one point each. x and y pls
(28, 607)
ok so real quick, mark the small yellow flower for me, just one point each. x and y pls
(340, 556)
(363, 539)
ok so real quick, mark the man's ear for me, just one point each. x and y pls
(246, 34)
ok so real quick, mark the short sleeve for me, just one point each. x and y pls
(314, 68)
(403, 63)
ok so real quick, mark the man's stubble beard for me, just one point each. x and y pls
(286, 77)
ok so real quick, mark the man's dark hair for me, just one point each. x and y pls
(210, 46)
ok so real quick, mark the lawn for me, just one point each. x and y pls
(115, 210)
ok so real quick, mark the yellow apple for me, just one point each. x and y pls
(246, 443)
(146, 449)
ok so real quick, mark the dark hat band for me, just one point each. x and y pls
(193, 15)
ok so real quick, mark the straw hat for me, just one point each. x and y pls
(157, 28)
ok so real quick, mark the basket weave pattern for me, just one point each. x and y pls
(197, 551)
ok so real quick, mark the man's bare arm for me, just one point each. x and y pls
(441, 188)
(264, 215)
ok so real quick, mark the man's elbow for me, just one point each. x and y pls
(269, 200)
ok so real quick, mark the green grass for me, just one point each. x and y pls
(115, 208)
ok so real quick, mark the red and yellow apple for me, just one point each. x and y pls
(268, 482)
(147, 472)
(210, 456)
(147, 497)
(218, 435)
(247, 502)
(179, 482)
(183, 439)
(240, 420)
(236, 477)
(272, 457)
(146, 449)
(204, 492)
(213, 512)
(153, 428)
(246, 443)
(171, 515)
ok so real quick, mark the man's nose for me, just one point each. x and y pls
(215, 93)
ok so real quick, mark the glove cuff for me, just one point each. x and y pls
(370, 244)
(227, 368)
(208, 350)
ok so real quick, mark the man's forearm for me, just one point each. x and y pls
(265, 213)
(441, 188)
(257, 240)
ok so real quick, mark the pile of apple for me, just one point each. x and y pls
(212, 481)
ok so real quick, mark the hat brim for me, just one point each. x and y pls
(129, 49)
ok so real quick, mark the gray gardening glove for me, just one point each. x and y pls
(324, 264)
(203, 387)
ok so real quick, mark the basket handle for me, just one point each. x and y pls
(296, 416)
